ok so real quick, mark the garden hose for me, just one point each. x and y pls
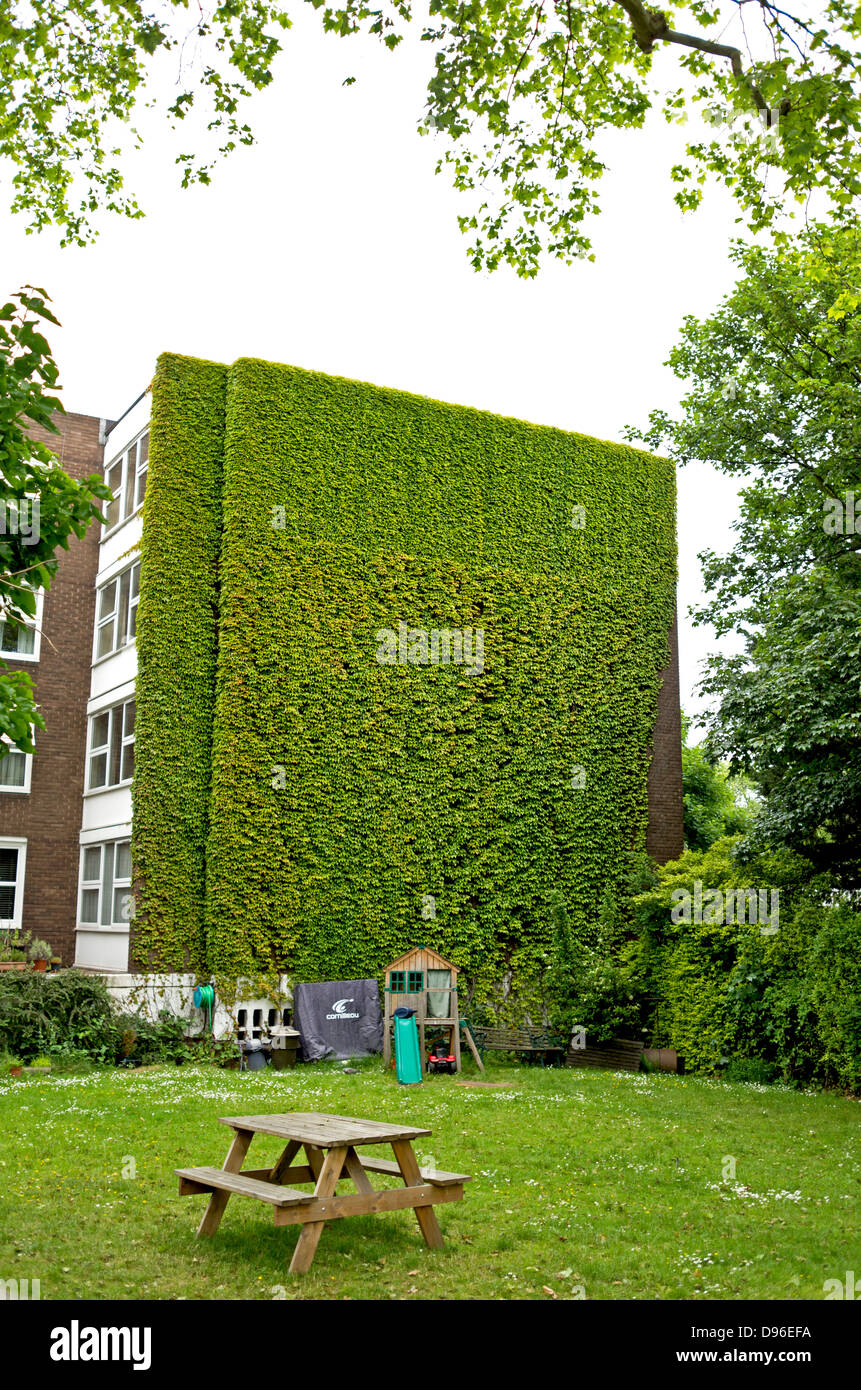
(204, 998)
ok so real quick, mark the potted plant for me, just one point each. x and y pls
(12, 953)
(12, 1065)
(40, 954)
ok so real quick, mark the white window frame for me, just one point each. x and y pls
(141, 470)
(36, 624)
(124, 639)
(108, 883)
(132, 468)
(94, 750)
(13, 923)
(28, 770)
(90, 885)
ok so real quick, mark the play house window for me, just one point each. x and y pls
(407, 981)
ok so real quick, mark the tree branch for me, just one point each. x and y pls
(651, 25)
(648, 25)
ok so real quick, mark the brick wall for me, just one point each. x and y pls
(665, 836)
(50, 817)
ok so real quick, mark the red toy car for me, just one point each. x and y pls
(440, 1059)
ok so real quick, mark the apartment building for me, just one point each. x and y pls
(105, 906)
(40, 796)
(66, 815)
(297, 799)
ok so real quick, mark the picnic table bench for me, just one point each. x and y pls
(330, 1143)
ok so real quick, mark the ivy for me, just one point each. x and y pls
(176, 644)
(347, 794)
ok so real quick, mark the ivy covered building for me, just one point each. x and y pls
(391, 670)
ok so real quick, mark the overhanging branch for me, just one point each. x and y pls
(651, 25)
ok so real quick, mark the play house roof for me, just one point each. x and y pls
(422, 958)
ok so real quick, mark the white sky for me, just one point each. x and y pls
(332, 245)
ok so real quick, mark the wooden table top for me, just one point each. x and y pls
(324, 1131)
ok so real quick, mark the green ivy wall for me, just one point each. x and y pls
(177, 646)
(338, 795)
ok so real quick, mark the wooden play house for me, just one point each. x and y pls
(424, 980)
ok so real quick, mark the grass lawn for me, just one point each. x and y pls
(595, 1184)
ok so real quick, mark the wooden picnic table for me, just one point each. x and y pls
(330, 1143)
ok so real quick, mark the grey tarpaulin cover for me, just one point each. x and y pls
(338, 1019)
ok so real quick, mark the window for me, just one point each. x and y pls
(111, 757)
(22, 640)
(116, 612)
(13, 854)
(126, 477)
(106, 876)
(407, 981)
(15, 768)
(141, 470)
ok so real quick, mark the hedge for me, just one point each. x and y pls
(347, 793)
(731, 993)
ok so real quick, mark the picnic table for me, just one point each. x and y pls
(330, 1143)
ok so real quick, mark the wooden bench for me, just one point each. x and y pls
(518, 1040)
(429, 1175)
(193, 1181)
(257, 1182)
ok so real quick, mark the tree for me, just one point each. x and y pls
(775, 376)
(521, 91)
(791, 715)
(40, 505)
(715, 804)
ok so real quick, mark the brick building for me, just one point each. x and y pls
(66, 814)
(40, 795)
(665, 834)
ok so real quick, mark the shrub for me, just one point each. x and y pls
(71, 1060)
(833, 988)
(789, 1003)
(217, 1051)
(41, 1013)
(564, 973)
(610, 999)
(144, 1041)
(595, 979)
(751, 1070)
